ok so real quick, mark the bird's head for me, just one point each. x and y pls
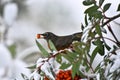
(46, 35)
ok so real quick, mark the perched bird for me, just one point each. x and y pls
(60, 42)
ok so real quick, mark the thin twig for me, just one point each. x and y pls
(110, 19)
(104, 38)
(113, 33)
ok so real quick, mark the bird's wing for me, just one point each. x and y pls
(63, 42)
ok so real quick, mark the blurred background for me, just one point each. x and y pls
(21, 20)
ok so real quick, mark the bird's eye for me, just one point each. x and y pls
(46, 34)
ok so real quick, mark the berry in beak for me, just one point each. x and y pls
(39, 36)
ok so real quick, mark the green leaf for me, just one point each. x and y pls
(24, 76)
(92, 34)
(52, 46)
(97, 68)
(108, 47)
(106, 7)
(94, 53)
(114, 47)
(101, 50)
(76, 46)
(85, 64)
(12, 50)
(68, 58)
(75, 69)
(82, 27)
(65, 65)
(118, 9)
(93, 12)
(43, 51)
(100, 46)
(32, 66)
(81, 74)
(86, 22)
(91, 9)
(72, 55)
(87, 3)
(101, 2)
(97, 42)
(58, 58)
(98, 29)
(97, 14)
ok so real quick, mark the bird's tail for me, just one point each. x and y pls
(77, 36)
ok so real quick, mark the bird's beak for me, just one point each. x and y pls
(39, 36)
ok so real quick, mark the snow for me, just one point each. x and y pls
(40, 61)
(4, 56)
(11, 68)
(36, 76)
(115, 65)
(10, 13)
(46, 68)
(98, 76)
(54, 52)
(51, 62)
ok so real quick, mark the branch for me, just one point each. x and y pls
(113, 34)
(110, 19)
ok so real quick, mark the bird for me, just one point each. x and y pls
(60, 42)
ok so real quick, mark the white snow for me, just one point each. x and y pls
(10, 13)
(46, 69)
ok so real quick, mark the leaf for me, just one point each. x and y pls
(97, 42)
(12, 50)
(94, 53)
(68, 58)
(92, 34)
(81, 75)
(65, 65)
(103, 30)
(32, 66)
(97, 68)
(91, 9)
(101, 2)
(118, 9)
(58, 58)
(76, 47)
(24, 76)
(43, 51)
(75, 68)
(106, 7)
(98, 29)
(82, 27)
(93, 12)
(52, 46)
(72, 55)
(86, 22)
(108, 47)
(101, 50)
(73, 71)
(97, 14)
(85, 64)
(114, 47)
(87, 3)
(100, 46)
